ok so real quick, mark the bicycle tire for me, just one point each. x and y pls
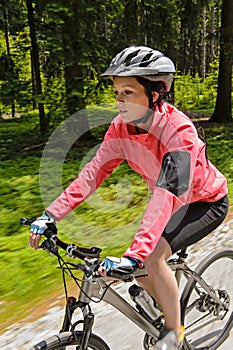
(216, 270)
(66, 340)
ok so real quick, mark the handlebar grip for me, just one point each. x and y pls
(121, 274)
(26, 222)
(83, 253)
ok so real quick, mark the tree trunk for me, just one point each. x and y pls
(36, 65)
(33, 77)
(213, 35)
(8, 47)
(204, 44)
(222, 112)
(75, 69)
(130, 21)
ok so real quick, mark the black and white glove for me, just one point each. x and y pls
(42, 223)
(111, 262)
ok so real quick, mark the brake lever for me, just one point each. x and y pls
(52, 248)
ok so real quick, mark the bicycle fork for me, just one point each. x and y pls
(71, 306)
(88, 321)
(87, 329)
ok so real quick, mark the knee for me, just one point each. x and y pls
(155, 264)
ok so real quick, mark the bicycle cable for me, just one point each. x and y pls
(63, 263)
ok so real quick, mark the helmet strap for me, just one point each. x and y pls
(144, 119)
(146, 83)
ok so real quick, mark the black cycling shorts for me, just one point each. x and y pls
(193, 222)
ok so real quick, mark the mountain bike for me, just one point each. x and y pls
(206, 298)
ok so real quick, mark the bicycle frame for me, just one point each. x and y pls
(99, 288)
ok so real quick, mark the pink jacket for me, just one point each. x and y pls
(170, 158)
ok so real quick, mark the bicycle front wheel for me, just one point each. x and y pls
(68, 341)
(207, 322)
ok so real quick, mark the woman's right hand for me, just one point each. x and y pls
(38, 227)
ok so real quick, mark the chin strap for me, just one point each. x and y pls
(144, 119)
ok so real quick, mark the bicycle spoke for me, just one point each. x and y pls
(208, 318)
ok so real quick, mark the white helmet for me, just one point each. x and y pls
(144, 62)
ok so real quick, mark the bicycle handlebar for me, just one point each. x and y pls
(71, 249)
(79, 252)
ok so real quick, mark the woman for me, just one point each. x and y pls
(189, 195)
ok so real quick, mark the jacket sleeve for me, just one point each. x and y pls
(107, 158)
(157, 214)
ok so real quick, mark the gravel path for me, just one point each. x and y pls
(22, 335)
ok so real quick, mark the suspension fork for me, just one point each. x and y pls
(87, 329)
(71, 306)
(88, 320)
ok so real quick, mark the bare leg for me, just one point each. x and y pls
(161, 284)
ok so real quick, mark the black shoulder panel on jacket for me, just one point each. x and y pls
(175, 172)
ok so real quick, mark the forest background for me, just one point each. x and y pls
(52, 54)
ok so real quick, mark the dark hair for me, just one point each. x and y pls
(151, 86)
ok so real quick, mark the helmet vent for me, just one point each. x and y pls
(130, 56)
(145, 61)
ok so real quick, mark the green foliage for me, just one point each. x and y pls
(88, 34)
(220, 146)
(194, 92)
(98, 92)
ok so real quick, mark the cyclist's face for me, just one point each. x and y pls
(131, 98)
